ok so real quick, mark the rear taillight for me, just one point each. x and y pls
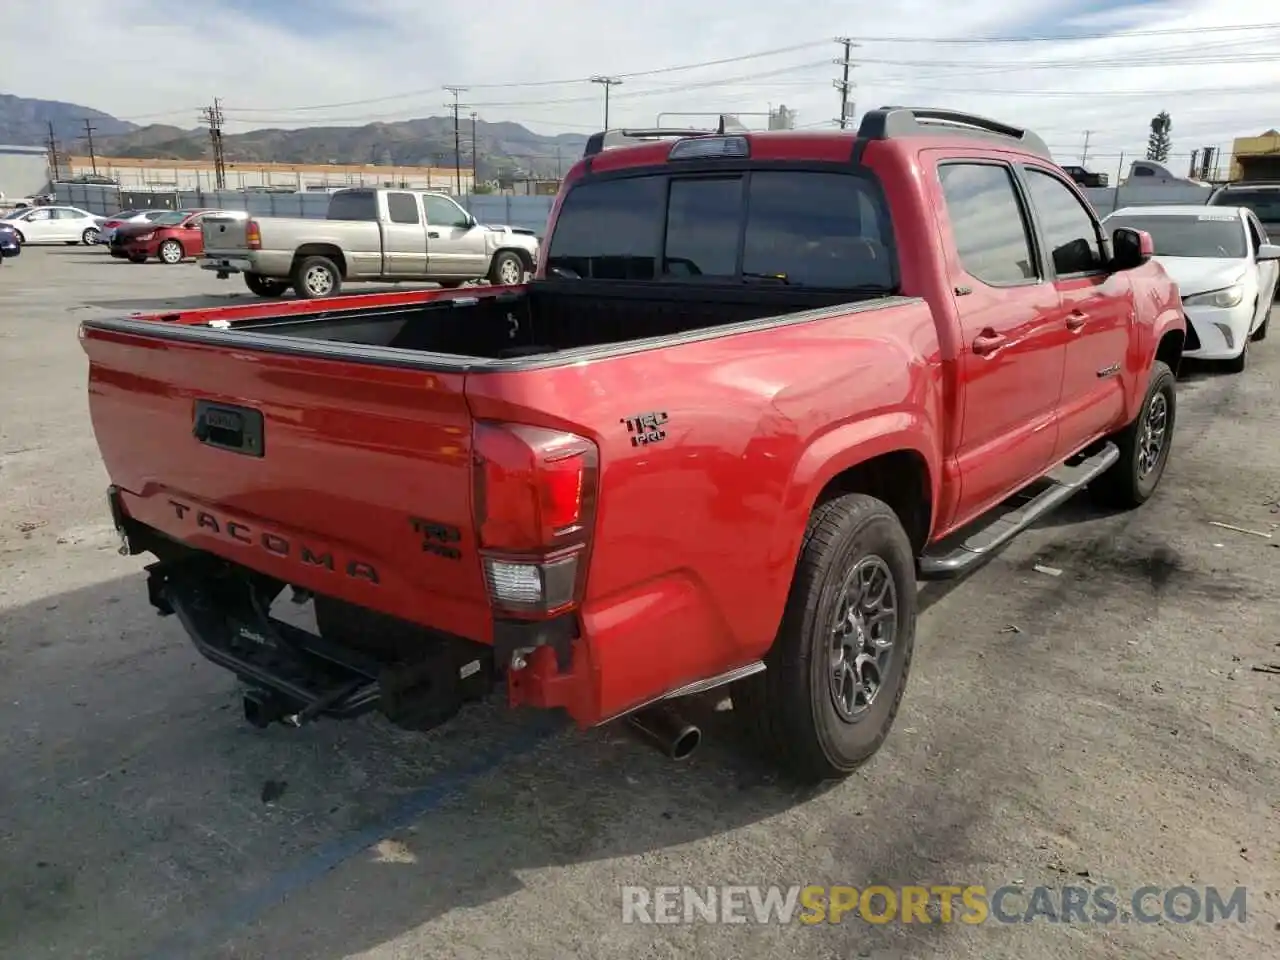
(535, 496)
(252, 235)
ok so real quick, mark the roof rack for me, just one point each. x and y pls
(607, 139)
(893, 123)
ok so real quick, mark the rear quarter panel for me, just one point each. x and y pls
(697, 535)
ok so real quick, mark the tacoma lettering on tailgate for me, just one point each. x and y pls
(274, 543)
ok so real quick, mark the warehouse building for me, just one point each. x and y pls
(24, 171)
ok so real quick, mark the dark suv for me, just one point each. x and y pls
(1262, 197)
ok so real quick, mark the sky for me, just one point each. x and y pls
(1068, 69)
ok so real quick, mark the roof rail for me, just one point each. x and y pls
(893, 123)
(606, 139)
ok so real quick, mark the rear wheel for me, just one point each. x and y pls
(1144, 447)
(838, 668)
(265, 286)
(89, 237)
(316, 277)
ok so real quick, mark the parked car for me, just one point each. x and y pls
(760, 385)
(69, 225)
(1225, 269)
(1086, 178)
(1262, 198)
(170, 237)
(10, 245)
(368, 235)
(109, 224)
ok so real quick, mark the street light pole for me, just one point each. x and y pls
(607, 82)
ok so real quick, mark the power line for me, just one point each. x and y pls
(88, 135)
(608, 83)
(569, 81)
(1059, 38)
(457, 141)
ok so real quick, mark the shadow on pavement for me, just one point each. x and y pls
(144, 818)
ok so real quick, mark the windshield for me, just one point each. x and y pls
(14, 214)
(152, 216)
(1264, 203)
(1189, 235)
(786, 226)
(123, 215)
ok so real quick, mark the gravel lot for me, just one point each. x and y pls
(1109, 725)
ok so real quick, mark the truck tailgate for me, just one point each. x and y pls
(349, 479)
(223, 235)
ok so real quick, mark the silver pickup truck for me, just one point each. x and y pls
(369, 234)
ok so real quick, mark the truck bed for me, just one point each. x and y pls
(549, 317)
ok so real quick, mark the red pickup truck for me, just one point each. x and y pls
(760, 385)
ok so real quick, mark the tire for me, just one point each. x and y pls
(1261, 332)
(315, 277)
(506, 269)
(1133, 479)
(171, 252)
(18, 234)
(90, 237)
(791, 706)
(137, 258)
(265, 286)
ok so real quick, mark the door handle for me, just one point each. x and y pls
(1076, 319)
(988, 342)
(433, 235)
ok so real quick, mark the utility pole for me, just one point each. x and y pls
(475, 162)
(1084, 152)
(53, 154)
(457, 138)
(844, 84)
(607, 83)
(213, 117)
(88, 135)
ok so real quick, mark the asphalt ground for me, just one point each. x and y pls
(1098, 707)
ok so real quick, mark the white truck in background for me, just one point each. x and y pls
(369, 234)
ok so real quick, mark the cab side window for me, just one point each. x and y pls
(987, 223)
(1069, 229)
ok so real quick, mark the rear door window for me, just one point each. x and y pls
(403, 208)
(805, 228)
(987, 223)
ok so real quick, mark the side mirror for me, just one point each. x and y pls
(1268, 251)
(1130, 248)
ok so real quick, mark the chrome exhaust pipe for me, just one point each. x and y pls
(667, 730)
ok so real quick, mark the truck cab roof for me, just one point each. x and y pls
(618, 149)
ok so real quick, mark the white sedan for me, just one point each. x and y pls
(54, 225)
(1224, 266)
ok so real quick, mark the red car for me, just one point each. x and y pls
(170, 238)
(761, 384)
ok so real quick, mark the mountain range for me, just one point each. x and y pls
(503, 149)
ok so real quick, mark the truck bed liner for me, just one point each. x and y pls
(547, 318)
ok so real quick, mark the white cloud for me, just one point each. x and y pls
(156, 60)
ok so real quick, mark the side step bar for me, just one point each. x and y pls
(1065, 481)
